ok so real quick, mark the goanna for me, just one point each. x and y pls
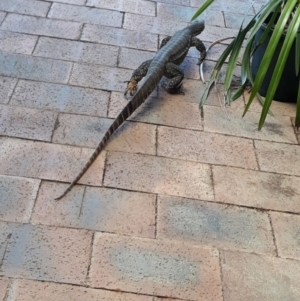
(166, 63)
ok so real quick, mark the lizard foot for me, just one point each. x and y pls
(132, 87)
(172, 90)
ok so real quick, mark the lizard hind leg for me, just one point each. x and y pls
(175, 74)
(137, 75)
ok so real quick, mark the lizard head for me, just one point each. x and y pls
(197, 27)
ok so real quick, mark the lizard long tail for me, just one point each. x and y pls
(141, 95)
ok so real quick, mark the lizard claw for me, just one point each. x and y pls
(132, 87)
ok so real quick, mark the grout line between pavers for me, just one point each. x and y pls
(9, 291)
(108, 107)
(70, 74)
(104, 168)
(156, 140)
(6, 242)
(35, 201)
(6, 13)
(273, 235)
(50, 6)
(156, 216)
(13, 91)
(221, 274)
(34, 47)
(123, 20)
(256, 155)
(224, 19)
(212, 181)
(55, 126)
(118, 57)
(80, 32)
(87, 278)
(297, 135)
(82, 202)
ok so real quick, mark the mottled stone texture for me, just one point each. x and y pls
(54, 254)
(214, 224)
(252, 277)
(154, 267)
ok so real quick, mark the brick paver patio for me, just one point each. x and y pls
(179, 205)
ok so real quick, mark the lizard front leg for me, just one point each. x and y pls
(200, 47)
(136, 76)
(175, 74)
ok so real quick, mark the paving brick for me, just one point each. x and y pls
(272, 191)
(27, 7)
(88, 131)
(17, 198)
(155, 267)
(61, 97)
(77, 2)
(100, 77)
(282, 108)
(26, 123)
(166, 110)
(235, 20)
(178, 2)
(275, 129)
(286, 231)
(184, 13)
(133, 58)
(77, 51)
(206, 147)
(48, 161)
(16, 42)
(28, 67)
(54, 254)
(258, 5)
(190, 68)
(119, 37)
(130, 6)
(7, 86)
(152, 24)
(100, 209)
(227, 5)
(214, 33)
(278, 157)
(213, 224)
(251, 277)
(3, 286)
(25, 290)
(42, 26)
(85, 14)
(158, 175)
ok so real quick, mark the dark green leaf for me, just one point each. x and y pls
(202, 8)
(284, 53)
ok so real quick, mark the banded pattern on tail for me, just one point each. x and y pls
(142, 94)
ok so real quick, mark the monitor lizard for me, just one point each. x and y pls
(166, 61)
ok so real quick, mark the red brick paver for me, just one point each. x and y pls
(183, 204)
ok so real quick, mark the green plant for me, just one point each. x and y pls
(285, 19)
